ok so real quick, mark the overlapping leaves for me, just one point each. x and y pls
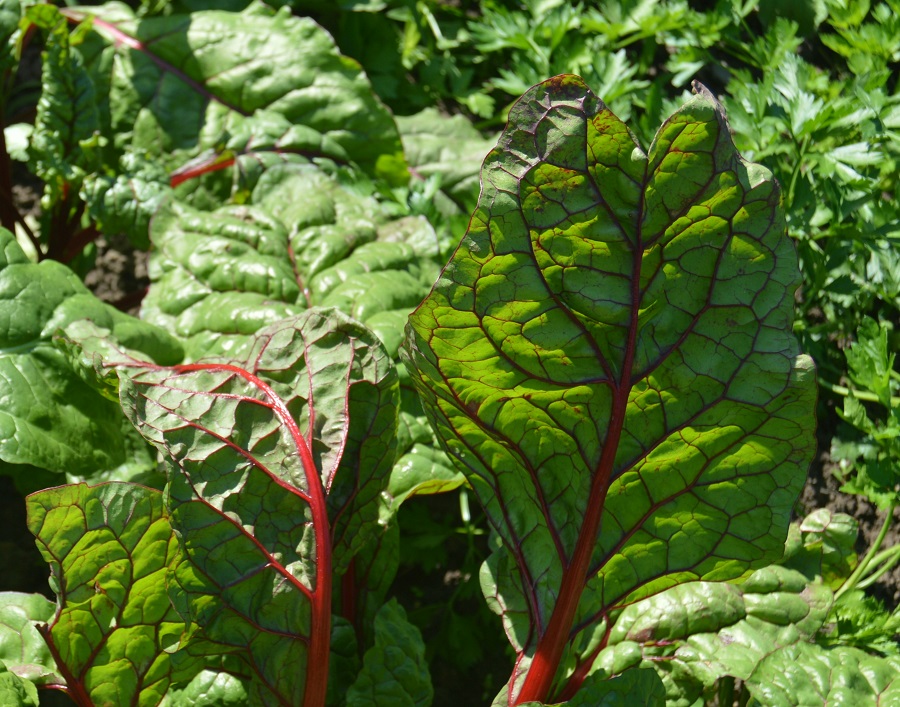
(609, 353)
(49, 418)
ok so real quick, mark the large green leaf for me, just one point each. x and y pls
(49, 417)
(608, 357)
(276, 467)
(190, 81)
(115, 634)
(64, 145)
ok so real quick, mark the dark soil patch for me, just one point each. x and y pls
(119, 275)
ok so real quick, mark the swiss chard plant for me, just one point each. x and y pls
(606, 363)
(608, 357)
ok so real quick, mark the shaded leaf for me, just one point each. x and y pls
(394, 670)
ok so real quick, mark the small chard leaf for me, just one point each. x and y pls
(340, 385)
(22, 648)
(823, 546)
(210, 689)
(52, 419)
(394, 670)
(608, 357)
(14, 691)
(266, 511)
(115, 633)
(65, 142)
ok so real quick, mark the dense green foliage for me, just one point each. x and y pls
(300, 173)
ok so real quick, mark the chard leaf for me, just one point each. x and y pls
(698, 632)
(49, 417)
(64, 144)
(115, 634)
(394, 670)
(125, 202)
(264, 510)
(806, 674)
(767, 632)
(823, 546)
(449, 147)
(190, 81)
(608, 357)
(217, 277)
(210, 689)
(22, 648)
(16, 692)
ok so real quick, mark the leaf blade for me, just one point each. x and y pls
(570, 351)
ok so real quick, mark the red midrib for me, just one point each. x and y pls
(539, 680)
(316, 685)
(550, 646)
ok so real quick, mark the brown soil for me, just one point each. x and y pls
(822, 490)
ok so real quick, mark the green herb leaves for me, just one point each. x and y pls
(608, 356)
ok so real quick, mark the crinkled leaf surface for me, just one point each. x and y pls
(22, 648)
(762, 632)
(698, 632)
(807, 674)
(305, 240)
(608, 356)
(265, 511)
(394, 670)
(210, 689)
(189, 81)
(115, 631)
(64, 142)
(49, 417)
(449, 147)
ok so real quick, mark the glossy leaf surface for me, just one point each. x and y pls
(49, 418)
(204, 74)
(762, 632)
(22, 648)
(304, 240)
(608, 356)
